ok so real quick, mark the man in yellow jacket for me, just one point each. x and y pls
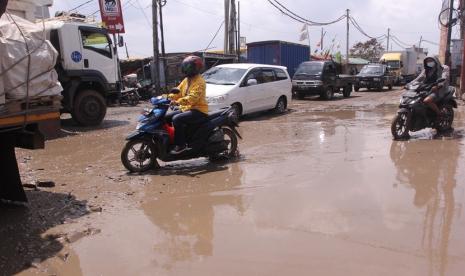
(191, 100)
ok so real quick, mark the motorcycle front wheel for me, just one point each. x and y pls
(138, 155)
(399, 127)
(447, 119)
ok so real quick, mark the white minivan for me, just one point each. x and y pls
(248, 88)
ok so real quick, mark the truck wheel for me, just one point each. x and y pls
(327, 94)
(347, 90)
(380, 87)
(356, 88)
(89, 108)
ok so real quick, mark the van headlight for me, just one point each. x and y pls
(217, 99)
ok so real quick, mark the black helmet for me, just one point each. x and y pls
(191, 66)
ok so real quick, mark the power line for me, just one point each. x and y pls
(85, 3)
(359, 28)
(298, 18)
(145, 15)
(216, 34)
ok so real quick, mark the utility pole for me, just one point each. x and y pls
(126, 46)
(226, 27)
(156, 52)
(449, 34)
(163, 53)
(347, 41)
(322, 38)
(388, 37)
(421, 40)
(232, 28)
(462, 68)
(238, 31)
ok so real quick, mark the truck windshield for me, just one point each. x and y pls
(372, 70)
(394, 64)
(310, 69)
(223, 75)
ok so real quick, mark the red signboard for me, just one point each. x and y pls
(112, 15)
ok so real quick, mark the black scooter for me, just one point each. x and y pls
(414, 115)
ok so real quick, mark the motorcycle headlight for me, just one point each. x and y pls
(217, 99)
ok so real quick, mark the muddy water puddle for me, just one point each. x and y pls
(312, 193)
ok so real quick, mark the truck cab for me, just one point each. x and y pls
(376, 76)
(321, 78)
(87, 68)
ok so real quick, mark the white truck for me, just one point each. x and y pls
(88, 68)
(402, 63)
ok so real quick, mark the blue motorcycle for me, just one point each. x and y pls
(214, 137)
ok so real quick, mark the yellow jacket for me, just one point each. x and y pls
(192, 95)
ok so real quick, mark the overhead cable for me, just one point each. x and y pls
(284, 10)
(359, 28)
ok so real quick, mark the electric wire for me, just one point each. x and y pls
(216, 34)
(283, 9)
(83, 4)
(359, 28)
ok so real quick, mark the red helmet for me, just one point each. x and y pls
(191, 66)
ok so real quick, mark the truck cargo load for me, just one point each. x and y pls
(26, 54)
(276, 52)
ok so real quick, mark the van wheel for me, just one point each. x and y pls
(327, 94)
(281, 105)
(89, 108)
(356, 88)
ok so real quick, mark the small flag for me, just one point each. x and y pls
(304, 28)
(303, 36)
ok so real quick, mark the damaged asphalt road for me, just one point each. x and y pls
(321, 190)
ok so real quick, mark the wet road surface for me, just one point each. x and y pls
(321, 190)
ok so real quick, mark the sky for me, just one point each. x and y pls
(191, 24)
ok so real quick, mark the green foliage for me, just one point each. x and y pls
(370, 50)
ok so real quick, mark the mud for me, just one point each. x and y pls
(321, 190)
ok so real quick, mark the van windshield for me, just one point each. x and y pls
(314, 68)
(372, 70)
(223, 75)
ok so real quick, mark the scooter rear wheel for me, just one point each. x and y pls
(230, 138)
(399, 127)
(139, 155)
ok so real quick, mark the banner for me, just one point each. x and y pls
(112, 16)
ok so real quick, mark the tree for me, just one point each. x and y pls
(370, 50)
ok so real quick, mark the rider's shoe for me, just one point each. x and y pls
(179, 150)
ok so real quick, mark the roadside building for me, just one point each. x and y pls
(30, 9)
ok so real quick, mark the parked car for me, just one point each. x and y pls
(248, 88)
(321, 78)
(375, 76)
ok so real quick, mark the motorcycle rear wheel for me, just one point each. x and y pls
(399, 127)
(231, 139)
(139, 155)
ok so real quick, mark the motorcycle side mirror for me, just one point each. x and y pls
(175, 90)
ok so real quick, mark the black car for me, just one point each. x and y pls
(375, 76)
